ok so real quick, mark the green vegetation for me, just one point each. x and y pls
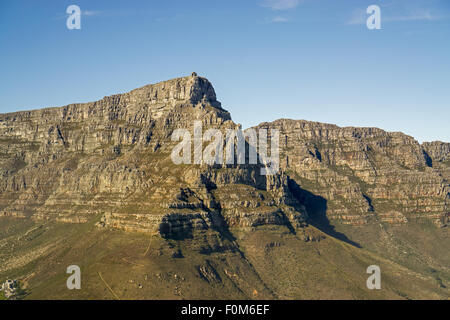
(269, 262)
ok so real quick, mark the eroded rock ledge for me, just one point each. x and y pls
(111, 158)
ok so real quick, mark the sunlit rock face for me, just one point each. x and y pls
(364, 175)
(111, 158)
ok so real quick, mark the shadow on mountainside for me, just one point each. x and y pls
(316, 207)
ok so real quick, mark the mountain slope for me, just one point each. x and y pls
(94, 185)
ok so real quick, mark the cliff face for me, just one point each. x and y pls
(71, 177)
(112, 157)
(363, 175)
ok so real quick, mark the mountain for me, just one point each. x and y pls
(95, 185)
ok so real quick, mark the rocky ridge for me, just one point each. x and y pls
(111, 158)
(362, 175)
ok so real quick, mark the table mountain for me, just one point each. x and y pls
(93, 184)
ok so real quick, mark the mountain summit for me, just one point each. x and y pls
(93, 184)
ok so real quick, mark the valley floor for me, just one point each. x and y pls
(268, 262)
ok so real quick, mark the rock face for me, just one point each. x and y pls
(439, 157)
(363, 175)
(112, 158)
(71, 176)
(9, 288)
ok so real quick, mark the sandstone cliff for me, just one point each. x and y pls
(112, 158)
(94, 184)
(363, 175)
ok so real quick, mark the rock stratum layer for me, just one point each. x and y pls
(363, 175)
(112, 157)
(94, 184)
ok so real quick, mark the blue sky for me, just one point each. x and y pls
(267, 59)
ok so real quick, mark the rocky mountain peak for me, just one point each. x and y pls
(191, 89)
(90, 151)
(106, 166)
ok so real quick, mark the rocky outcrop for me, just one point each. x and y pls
(111, 159)
(363, 175)
(9, 288)
(437, 151)
(438, 156)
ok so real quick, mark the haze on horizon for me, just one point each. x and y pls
(267, 59)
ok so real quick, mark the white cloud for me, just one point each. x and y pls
(360, 16)
(280, 19)
(280, 4)
(423, 15)
(90, 12)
